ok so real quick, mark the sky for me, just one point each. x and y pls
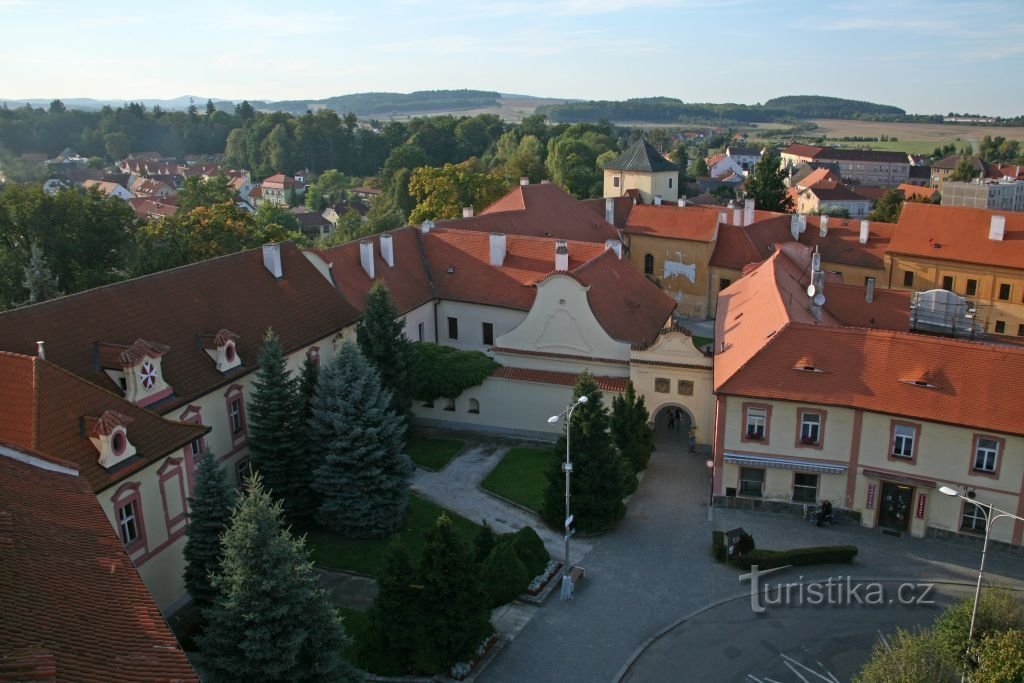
(926, 56)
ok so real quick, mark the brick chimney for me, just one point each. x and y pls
(748, 211)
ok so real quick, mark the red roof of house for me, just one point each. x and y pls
(818, 175)
(671, 221)
(955, 233)
(566, 379)
(911, 191)
(766, 332)
(279, 181)
(152, 207)
(622, 207)
(74, 607)
(46, 408)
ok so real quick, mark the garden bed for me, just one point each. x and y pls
(541, 586)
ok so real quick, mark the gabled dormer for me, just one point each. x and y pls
(136, 369)
(222, 348)
(109, 434)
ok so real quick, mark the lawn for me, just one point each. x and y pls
(433, 454)
(521, 476)
(356, 625)
(330, 551)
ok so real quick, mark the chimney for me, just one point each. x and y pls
(545, 182)
(737, 215)
(869, 294)
(426, 226)
(817, 289)
(748, 211)
(794, 226)
(609, 210)
(864, 232)
(499, 246)
(272, 259)
(467, 212)
(387, 250)
(561, 256)
(823, 226)
(997, 228)
(41, 350)
(366, 257)
(615, 246)
(802, 221)
(681, 201)
(657, 200)
(523, 180)
(723, 217)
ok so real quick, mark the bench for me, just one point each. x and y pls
(576, 574)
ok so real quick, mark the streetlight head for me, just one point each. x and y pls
(553, 419)
(583, 399)
(945, 490)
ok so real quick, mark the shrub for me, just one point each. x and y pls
(799, 557)
(503, 574)
(483, 542)
(745, 544)
(530, 550)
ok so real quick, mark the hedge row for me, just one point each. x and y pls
(799, 557)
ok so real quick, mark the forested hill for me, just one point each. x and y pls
(671, 110)
(381, 103)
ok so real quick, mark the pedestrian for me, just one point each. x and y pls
(679, 418)
(671, 420)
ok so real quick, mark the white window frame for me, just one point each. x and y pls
(756, 418)
(975, 513)
(235, 415)
(903, 443)
(743, 482)
(804, 487)
(986, 452)
(810, 422)
(128, 522)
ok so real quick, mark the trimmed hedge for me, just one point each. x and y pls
(799, 557)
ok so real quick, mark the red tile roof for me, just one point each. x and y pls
(280, 181)
(766, 331)
(911, 191)
(74, 607)
(818, 175)
(46, 408)
(567, 379)
(954, 233)
(153, 207)
(622, 206)
(671, 221)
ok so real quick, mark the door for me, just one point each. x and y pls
(894, 512)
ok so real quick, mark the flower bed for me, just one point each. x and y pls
(460, 670)
(541, 580)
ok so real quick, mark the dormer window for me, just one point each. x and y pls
(109, 434)
(222, 348)
(135, 369)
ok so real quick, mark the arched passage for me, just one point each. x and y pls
(673, 426)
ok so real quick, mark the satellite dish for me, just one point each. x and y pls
(819, 299)
(811, 290)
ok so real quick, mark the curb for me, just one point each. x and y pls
(679, 622)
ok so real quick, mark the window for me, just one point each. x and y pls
(757, 423)
(973, 519)
(947, 283)
(908, 279)
(419, 332)
(453, 328)
(615, 181)
(670, 183)
(235, 414)
(904, 437)
(751, 481)
(488, 333)
(648, 264)
(1000, 326)
(805, 487)
(986, 454)
(474, 406)
(1004, 291)
(126, 522)
(243, 470)
(723, 283)
(449, 405)
(128, 516)
(196, 447)
(1020, 330)
(313, 354)
(810, 428)
(972, 288)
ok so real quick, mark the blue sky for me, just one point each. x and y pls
(929, 56)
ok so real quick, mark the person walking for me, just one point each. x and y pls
(671, 420)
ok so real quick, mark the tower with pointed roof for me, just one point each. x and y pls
(643, 169)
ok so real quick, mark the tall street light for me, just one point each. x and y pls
(567, 468)
(991, 514)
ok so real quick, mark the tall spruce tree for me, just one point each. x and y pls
(209, 514)
(270, 621)
(381, 338)
(767, 184)
(453, 606)
(41, 283)
(389, 646)
(275, 431)
(362, 476)
(599, 476)
(630, 430)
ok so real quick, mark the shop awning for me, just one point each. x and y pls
(900, 478)
(783, 463)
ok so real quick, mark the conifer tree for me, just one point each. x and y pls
(766, 184)
(209, 514)
(270, 621)
(362, 476)
(599, 473)
(483, 542)
(503, 574)
(275, 442)
(630, 430)
(453, 609)
(41, 283)
(389, 645)
(381, 338)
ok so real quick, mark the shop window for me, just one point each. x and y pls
(751, 482)
(805, 487)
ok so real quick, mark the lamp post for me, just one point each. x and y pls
(567, 468)
(991, 514)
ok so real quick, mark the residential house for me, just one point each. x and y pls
(832, 198)
(941, 170)
(985, 193)
(831, 397)
(642, 168)
(144, 187)
(282, 190)
(721, 165)
(108, 188)
(148, 208)
(746, 157)
(334, 212)
(855, 165)
(312, 224)
(366, 194)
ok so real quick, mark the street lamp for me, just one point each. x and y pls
(567, 468)
(989, 512)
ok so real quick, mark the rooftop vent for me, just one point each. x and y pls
(997, 228)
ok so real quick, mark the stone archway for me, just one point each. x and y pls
(673, 424)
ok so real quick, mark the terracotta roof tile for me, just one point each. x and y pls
(67, 587)
(916, 191)
(955, 233)
(671, 221)
(567, 379)
(622, 207)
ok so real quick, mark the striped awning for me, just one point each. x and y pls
(783, 463)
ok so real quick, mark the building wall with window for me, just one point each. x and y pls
(663, 183)
(679, 266)
(469, 324)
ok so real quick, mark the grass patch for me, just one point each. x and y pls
(330, 551)
(433, 454)
(521, 476)
(701, 342)
(357, 624)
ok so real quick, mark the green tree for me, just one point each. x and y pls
(766, 184)
(362, 475)
(244, 111)
(530, 549)
(888, 207)
(964, 170)
(1001, 658)
(41, 283)
(269, 622)
(272, 218)
(57, 107)
(209, 514)
(630, 429)
(909, 658)
(389, 646)
(832, 211)
(381, 338)
(681, 159)
(117, 145)
(330, 188)
(196, 191)
(484, 541)
(453, 614)
(276, 443)
(503, 574)
(443, 192)
(700, 168)
(211, 109)
(599, 477)
(998, 611)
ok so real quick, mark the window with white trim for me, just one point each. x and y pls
(810, 428)
(751, 481)
(757, 420)
(903, 441)
(973, 519)
(805, 487)
(243, 470)
(127, 522)
(235, 415)
(986, 454)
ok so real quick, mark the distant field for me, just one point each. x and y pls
(512, 109)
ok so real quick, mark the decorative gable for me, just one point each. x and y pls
(222, 348)
(136, 369)
(109, 434)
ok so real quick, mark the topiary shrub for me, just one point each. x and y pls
(798, 557)
(503, 574)
(745, 544)
(530, 549)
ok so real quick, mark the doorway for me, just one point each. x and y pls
(673, 426)
(894, 511)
